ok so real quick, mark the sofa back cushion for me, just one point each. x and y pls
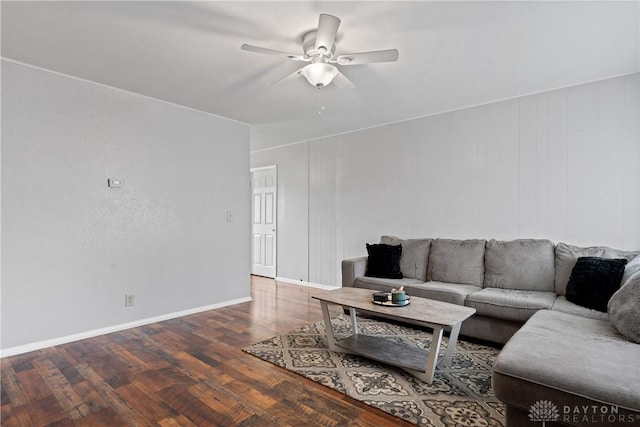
(524, 264)
(457, 261)
(415, 254)
(567, 256)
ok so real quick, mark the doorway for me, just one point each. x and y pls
(264, 221)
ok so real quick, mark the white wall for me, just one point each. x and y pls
(562, 165)
(72, 248)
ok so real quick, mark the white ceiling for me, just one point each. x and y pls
(452, 54)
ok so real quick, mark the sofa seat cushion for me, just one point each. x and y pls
(453, 293)
(525, 264)
(563, 305)
(566, 359)
(509, 304)
(381, 284)
(456, 261)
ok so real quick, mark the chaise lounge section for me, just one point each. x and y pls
(587, 369)
(581, 366)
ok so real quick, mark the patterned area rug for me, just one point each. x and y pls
(460, 394)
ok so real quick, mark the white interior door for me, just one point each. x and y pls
(264, 223)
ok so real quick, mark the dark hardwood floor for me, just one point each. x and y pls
(189, 371)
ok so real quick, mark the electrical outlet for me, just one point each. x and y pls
(128, 300)
(229, 216)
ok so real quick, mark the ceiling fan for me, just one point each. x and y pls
(319, 47)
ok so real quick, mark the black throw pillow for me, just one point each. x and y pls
(384, 261)
(594, 280)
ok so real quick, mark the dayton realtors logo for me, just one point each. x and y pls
(545, 411)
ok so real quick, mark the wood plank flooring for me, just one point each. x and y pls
(189, 371)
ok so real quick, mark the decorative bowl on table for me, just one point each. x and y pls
(384, 298)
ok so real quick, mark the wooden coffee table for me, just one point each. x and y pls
(423, 312)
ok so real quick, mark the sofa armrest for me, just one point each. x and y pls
(352, 269)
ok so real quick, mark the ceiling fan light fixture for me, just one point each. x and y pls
(319, 74)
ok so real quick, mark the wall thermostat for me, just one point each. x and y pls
(115, 183)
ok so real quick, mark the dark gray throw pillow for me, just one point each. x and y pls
(594, 280)
(384, 261)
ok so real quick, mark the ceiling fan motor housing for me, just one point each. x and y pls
(309, 46)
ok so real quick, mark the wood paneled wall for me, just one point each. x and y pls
(562, 165)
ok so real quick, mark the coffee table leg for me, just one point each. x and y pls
(432, 361)
(451, 347)
(331, 341)
(354, 321)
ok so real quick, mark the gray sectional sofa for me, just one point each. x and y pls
(556, 351)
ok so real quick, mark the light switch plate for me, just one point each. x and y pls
(129, 300)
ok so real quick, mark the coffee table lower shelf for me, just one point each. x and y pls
(386, 351)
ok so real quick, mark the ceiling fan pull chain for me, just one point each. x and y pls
(321, 107)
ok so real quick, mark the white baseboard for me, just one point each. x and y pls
(12, 351)
(303, 283)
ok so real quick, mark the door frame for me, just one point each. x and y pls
(275, 219)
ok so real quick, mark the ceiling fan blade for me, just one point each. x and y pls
(389, 55)
(267, 51)
(327, 32)
(291, 76)
(343, 82)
